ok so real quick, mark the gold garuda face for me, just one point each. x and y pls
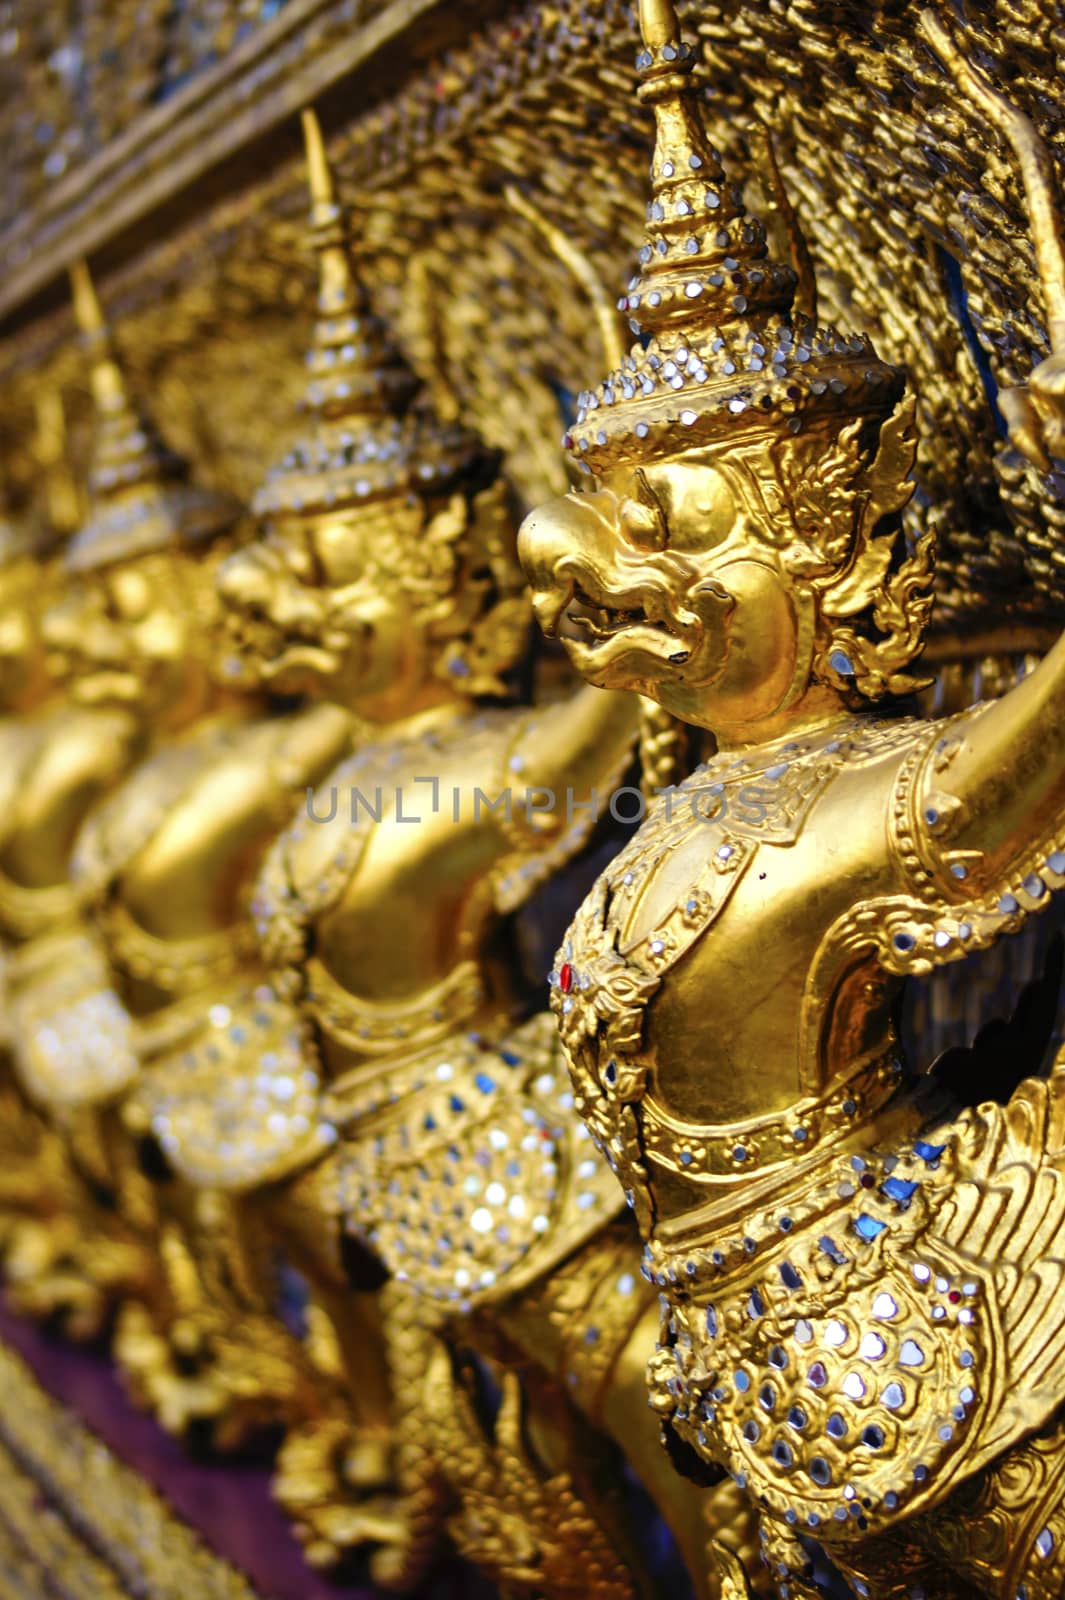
(706, 579)
(387, 558)
(141, 633)
(359, 603)
(301, 607)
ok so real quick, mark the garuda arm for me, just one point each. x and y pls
(993, 790)
(570, 756)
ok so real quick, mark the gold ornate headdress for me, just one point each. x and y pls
(724, 360)
(430, 489)
(366, 439)
(140, 498)
(823, 425)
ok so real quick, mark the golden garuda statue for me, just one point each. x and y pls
(160, 870)
(862, 1276)
(96, 714)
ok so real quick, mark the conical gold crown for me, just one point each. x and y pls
(140, 498)
(719, 354)
(366, 438)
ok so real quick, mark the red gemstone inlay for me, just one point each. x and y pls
(954, 1297)
(565, 977)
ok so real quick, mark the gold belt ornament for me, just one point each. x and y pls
(465, 1168)
(72, 1037)
(374, 1027)
(174, 965)
(27, 912)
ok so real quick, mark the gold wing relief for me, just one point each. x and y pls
(1035, 413)
(937, 919)
(534, 1527)
(1003, 1218)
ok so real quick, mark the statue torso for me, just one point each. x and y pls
(168, 860)
(825, 1243)
(215, 1060)
(58, 764)
(714, 988)
(378, 909)
(379, 903)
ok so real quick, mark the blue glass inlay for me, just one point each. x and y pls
(900, 1189)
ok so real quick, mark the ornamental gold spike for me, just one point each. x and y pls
(701, 260)
(355, 367)
(722, 355)
(63, 500)
(658, 23)
(365, 438)
(108, 384)
(139, 495)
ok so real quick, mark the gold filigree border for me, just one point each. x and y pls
(81, 1522)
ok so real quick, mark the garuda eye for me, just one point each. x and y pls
(642, 517)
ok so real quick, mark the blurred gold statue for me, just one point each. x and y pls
(69, 1033)
(862, 1282)
(40, 1199)
(162, 867)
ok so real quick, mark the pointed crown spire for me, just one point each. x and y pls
(355, 369)
(365, 438)
(701, 237)
(140, 498)
(719, 354)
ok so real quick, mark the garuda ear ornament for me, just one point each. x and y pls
(878, 606)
